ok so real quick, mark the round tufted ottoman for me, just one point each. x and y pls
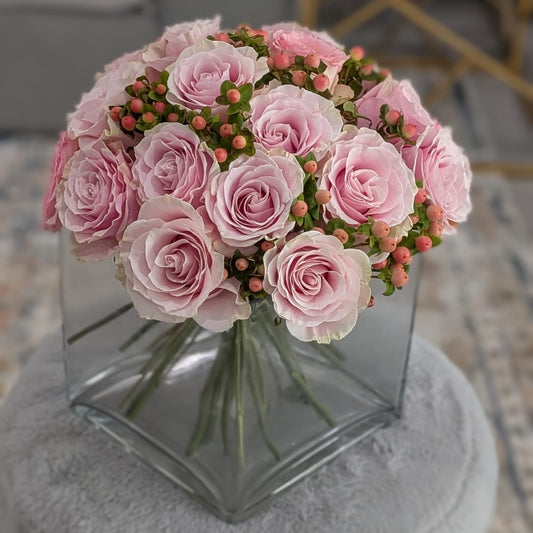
(432, 471)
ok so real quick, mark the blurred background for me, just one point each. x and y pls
(471, 61)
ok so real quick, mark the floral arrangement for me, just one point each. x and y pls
(221, 167)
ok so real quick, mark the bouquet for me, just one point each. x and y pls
(222, 167)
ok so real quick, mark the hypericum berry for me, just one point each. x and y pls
(387, 244)
(380, 265)
(421, 196)
(319, 229)
(138, 86)
(299, 209)
(342, 235)
(128, 123)
(225, 130)
(225, 275)
(414, 219)
(261, 270)
(299, 77)
(242, 264)
(435, 229)
(392, 117)
(367, 70)
(115, 112)
(281, 61)
(399, 278)
(267, 245)
(137, 105)
(310, 166)
(312, 60)
(321, 83)
(238, 142)
(371, 302)
(380, 229)
(423, 243)
(173, 117)
(401, 254)
(223, 37)
(221, 154)
(255, 284)
(385, 72)
(396, 266)
(198, 122)
(408, 131)
(357, 52)
(148, 117)
(435, 213)
(160, 89)
(233, 96)
(322, 196)
(160, 107)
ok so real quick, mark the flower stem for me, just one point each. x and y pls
(238, 392)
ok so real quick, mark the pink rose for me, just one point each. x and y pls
(65, 149)
(170, 268)
(317, 286)
(96, 200)
(163, 52)
(367, 178)
(295, 40)
(399, 96)
(195, 78)
(171, 159)
(295, 119)
(445, 171)
(223, 307)
(252, 199)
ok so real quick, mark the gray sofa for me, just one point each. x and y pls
(52, 48)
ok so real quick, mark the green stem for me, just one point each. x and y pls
(137, 335)
(99, 323)
(239, 398)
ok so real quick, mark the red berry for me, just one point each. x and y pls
(399, 278)
(435, 213)
(380, 229)
(387, 244)
(255, 284)
(414, 219)
(409, 130)
(342, 235)
(148, 117)
(267, 245)
(281, 61)
(138, 86)
(367, 70)
(392, 117)
(224, 275)
(128, 123)
(380, 265)
(223, 37)
(401, 254)
(299, 209)
(310, 166)
(322, 196)
(371, 302)
(423, 243)
(198, 122)
(396, 266)
(261, 270)
(238, 142)
(160, 107)
(357, 53)
(299, 77)
(435, 229)
(242, 264)
(172, 117)
(317, 228)
(321, 83)
(160, 89)
(312, 60)
(137, 105)
(233, 96)
(225, 130)
(221, 154)
(421, 196)
(115, 112)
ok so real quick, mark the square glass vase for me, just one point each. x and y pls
(233, 418)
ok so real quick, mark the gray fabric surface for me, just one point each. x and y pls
(432, 471)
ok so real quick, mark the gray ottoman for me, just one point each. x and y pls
(432, 471)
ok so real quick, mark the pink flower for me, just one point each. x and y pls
(223, 307)
(96, 200)
(295, 40)
(65, 149)
(445, 171)
(171, 159)
(317, 286)
(367, 178)
(295, 119)
(163, 52)
(252, 199)
(170, 268)
(196, 76)
(399, 96)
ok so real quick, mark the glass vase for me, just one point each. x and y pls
(234, 418)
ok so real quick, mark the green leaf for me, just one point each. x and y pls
(246, 91)
(226, 86)
(164, 76)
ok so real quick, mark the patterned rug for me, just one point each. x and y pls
(476, 303)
